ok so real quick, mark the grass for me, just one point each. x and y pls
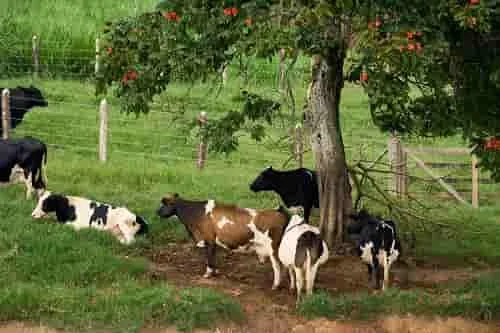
(478, 299)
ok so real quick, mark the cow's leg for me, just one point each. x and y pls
(370, 273)
(299, 278)
(291, 273)
(377, 271)
(385, 260)
(307, 211)
(310, 279)
(211, 247)
(277, 271)
(29, 185)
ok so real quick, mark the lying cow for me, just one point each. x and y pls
(297, 188)
(22, 99)
(378, 245)
(301, 251)
(83, 213)
(210, 224)
(22, 161)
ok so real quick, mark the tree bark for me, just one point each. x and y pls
(327, 145)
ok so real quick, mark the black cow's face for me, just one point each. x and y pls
(168, 206)
(34, 97)
(264, 182)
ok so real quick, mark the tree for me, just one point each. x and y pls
(414, 58)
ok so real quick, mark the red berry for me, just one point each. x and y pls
(234, 11)
(228, 11)
(411, 46)
(171, 16)
(474, 2)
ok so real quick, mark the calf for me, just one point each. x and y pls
(302, 251)
(21, 161)
(210, 224)
(83, 213)
(297, 188)
(21, 100)
(378, 244)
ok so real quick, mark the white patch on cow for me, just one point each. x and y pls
(262, 242)
(16, 175)
(296, 210)
(366, 253)
(38, 212)
(208, 273)
(223, 221)
(209, 207)
(251, 211)
(393, 257)
(201, 244)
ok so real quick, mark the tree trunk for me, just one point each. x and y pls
(327, 145)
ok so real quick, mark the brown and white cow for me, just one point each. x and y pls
(212, 224)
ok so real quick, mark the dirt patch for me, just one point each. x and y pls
(244, 278)
(17, 327)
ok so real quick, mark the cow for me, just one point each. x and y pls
(22, 161)
(212, 224)
(22, 99)
(81, 213)
(378, 245)
(297, 188)
(301, 251)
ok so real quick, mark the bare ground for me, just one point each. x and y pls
(242, 277)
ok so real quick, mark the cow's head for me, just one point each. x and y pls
(168, 206)
(34, 96)
(54, 203)
(264, 182)
(360, 219)
(126, 224)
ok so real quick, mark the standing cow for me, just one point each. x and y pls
(210, 224)
(22, 161)
(378, 245)
(297, 188)
(22, 99)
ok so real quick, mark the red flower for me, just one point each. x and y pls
(172, 16)
(474, 2)
(233, 11)
(109, 50)
(492, 144)
(410, 35)
(363, 77)
(248, 22)
(411, 46)
(130, 76)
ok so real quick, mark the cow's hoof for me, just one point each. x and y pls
(275, 287)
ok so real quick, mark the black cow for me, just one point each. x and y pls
(378, 244)
(21, 100)
(21, 161)
(297, 188)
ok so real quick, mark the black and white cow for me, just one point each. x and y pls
(378, 244)
(22, 99)
(297, 188)
(22, 161)
(83, 213)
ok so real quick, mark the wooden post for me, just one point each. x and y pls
(475, 182)
(404, 172)
(97, 56)
(202, 147)
(225, 74)
(395, 164)
(5, 114)
(282, 70)
(103, 130)
(299, 145)
(35, 47)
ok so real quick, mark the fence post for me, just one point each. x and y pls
(5, 114)
(97, 56)
(395, 162)
(225, 74)
(299, 145)
(202, 148)
(103, 130)
(475, 182)
(35, 47)
(281, 69)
